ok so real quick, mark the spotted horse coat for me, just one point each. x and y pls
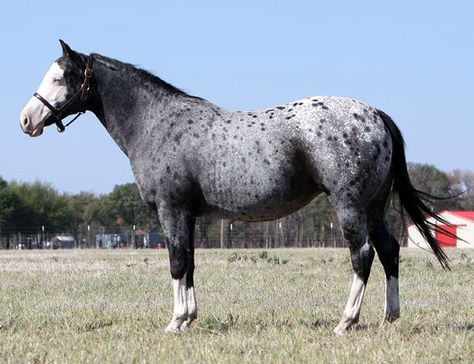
(192, 158)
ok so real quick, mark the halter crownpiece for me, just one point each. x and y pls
(82, 93)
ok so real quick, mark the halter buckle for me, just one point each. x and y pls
(60, 126)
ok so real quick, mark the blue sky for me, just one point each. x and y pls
(412, 59)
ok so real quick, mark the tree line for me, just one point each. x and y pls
(36, 211)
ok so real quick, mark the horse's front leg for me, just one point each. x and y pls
(178, 226)
(191, 294)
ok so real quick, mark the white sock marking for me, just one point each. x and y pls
(180, 305)
(354, 303)
(192, 308)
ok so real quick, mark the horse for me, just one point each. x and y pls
(191, 158)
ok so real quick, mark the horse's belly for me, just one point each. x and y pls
(266, 196)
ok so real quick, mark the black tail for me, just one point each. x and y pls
(411, 199)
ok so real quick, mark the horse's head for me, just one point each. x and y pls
(61, 93)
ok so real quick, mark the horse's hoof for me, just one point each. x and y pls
(340, 332)
(173, 329)
(390, 319)
(184, 326)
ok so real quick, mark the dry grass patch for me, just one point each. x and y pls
(274, 306)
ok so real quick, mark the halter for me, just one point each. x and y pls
(82, 93)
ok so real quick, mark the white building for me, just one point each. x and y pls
(462, 225)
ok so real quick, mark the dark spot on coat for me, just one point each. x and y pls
(177, 138)
(280, 107)
(168, 169)
(190, 121)
(266, 161)
(228, 121)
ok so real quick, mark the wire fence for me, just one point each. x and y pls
(207, 234)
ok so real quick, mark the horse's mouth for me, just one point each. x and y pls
(36, 133)
(48, 120)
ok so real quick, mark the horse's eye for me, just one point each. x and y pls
(58, 81)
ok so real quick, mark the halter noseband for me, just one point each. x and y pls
(82, 93)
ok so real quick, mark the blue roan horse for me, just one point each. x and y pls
(191, 158)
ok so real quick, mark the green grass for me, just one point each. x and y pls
(254, 306)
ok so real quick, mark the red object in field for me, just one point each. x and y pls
(444, 240)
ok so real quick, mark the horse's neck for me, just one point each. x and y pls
(126, 106)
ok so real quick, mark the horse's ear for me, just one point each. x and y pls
(67, 51)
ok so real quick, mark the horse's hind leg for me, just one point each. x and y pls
(388, 251)
(354, 229)
(191, 295)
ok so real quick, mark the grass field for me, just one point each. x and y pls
(254, 306)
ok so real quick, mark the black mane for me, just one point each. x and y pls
(146, 75)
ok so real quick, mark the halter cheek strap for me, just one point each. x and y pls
(82, 93)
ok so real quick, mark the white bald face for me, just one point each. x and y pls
(53, 89)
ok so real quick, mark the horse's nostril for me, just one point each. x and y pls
(25, 120)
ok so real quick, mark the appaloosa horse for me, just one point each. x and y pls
(191, 158)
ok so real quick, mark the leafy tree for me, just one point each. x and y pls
(126, 207)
